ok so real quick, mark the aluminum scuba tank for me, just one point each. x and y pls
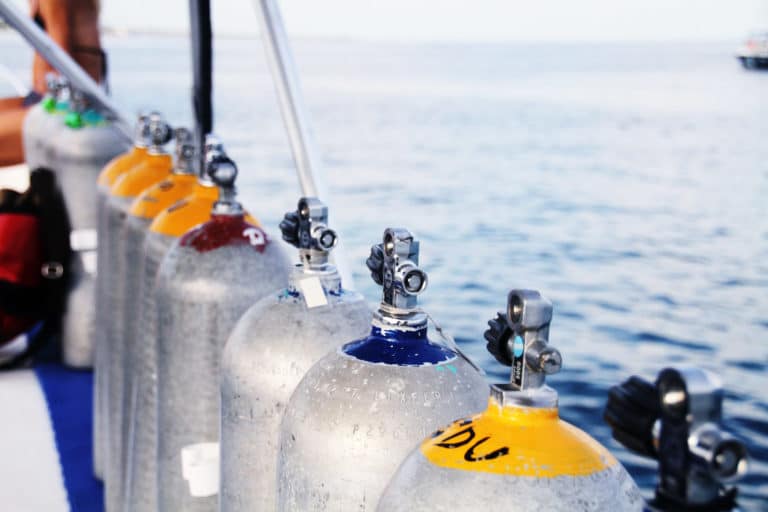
(271, 348)
(164, 231)
(81, 150)
(55, 124)
(33, 131)
(676, 421)
(208, 279)
(152, 169)
(87, 143)
(42, 129)
(78, 319)
(517, 454)
(143, 210)
(361, 408)
(116, 167)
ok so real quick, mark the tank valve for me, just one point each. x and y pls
(223, 172)
(63, 90)
(51, 91)
(677, 422)
(141, 131)
(519, 338)
(77, 105)
(394, 265)
(213, 147)
(185, 150)
(160, 133)
(307, 229)
(51, 83)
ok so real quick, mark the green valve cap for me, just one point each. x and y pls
(49, 103)
(73, 120)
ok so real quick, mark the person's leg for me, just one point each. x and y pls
(74, 26)
(12, 112)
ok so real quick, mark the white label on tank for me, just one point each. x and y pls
(313, 292)
(200, 468)
(82, 239)
(89, 262)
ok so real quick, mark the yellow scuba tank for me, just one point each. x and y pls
(116, 167)
(154, 167)
(147, 205)
(517, 454)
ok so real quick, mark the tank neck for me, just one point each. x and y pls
(155, 150)
(206, 183)
(507, 399)
(180, 170)
(227, 208)
(206, 191)
(388, 317)
(237, 218)
(410, 347)
(329, 277)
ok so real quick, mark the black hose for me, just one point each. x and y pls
(202, 65)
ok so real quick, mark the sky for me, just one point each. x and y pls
(463, 20)
(469, 20)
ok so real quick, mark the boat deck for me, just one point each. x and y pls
(45, 439)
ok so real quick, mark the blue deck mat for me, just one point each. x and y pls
(68, 394)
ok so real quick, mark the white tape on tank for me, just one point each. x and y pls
(83, 239)
(200, 468)
(312, 290)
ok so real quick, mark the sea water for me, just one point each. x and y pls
(626, 182)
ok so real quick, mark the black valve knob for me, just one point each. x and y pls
(289, 227)
(375, 263)
(631, 411)
(497, 336)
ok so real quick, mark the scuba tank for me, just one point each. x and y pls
(78, 319)
(164, 231)
(517, 454)
(208, 279)
(116, 167)
(360, 409)
(273, 345)
(87, 143)
(676, 421)
(40, 130)
(153, 168)
(81, 150)
(55, 124)
(143, 210)
(34, 133)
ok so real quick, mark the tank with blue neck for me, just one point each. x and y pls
(399, 328)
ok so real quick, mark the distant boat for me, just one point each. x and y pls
(754, 53)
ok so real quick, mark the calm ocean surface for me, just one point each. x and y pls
(627, 182)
